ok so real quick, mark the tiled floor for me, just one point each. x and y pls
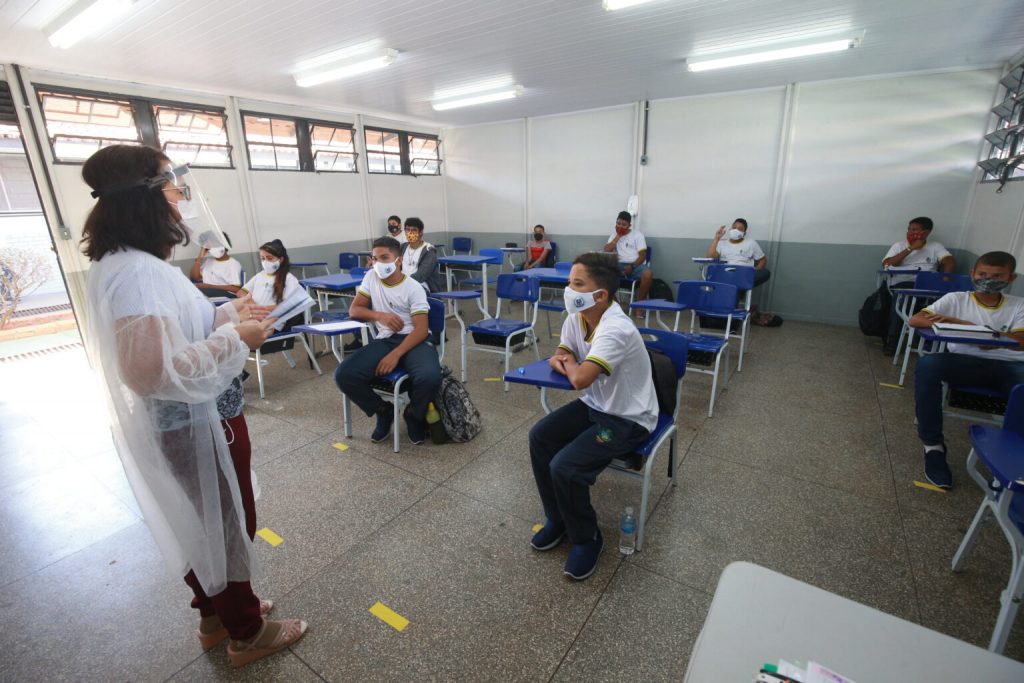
(807, 468)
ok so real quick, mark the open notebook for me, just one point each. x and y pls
(297, 303)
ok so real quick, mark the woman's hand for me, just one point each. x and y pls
(247, 310)
(254, 333)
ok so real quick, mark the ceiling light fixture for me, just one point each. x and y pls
(818, 48)
(611, 5)
(497, 96)
(84, 18)
(334, 70)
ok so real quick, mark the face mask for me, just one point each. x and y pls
(914, 237)
(394, 229)
(736, 234)
(538, 236)
(189, 215)
(270, 267)
(621, 231)
(217, 252)
(989, 285)
(384, 270)
(578, 301)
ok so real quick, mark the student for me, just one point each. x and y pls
(214, 269)
(395, 229)
(740, 251)
(399, 311)
(275, 283)
(995, 368)
(915, 251)
(538, 248)
(631, 248)
(419, 258)
(603, 355)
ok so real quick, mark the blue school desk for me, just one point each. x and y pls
(926, 334)
(470, 260)
(540, 375)
(302, 265)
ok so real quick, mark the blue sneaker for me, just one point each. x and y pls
(583, 558)
(547, 538)
(384, 419)
(936, 470)
(417, 429)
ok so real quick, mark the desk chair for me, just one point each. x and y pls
(743, 278)
(347, 260)
(1001, 450)
(455, 297)
(555, 302)
(497, 334)
(935, 283)
(632, 280)
(673, 345)
(278, 342)
(462, 244)
(392, 385)
(496, 257)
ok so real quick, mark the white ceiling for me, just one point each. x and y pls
(568, 54)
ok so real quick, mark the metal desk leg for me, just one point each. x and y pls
(544, 400)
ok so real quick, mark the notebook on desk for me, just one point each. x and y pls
(969, 331)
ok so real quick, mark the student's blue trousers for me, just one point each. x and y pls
(354, 374)
(956, 368)
(568, 449)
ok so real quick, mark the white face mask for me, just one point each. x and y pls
(270, 267)
(736, 234)
(578, 301)
(384, 270)
(217, 252)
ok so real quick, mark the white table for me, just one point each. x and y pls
(759, 616)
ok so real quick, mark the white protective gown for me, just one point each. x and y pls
(152, 337)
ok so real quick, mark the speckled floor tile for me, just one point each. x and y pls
(271, 437)
(213, 666)
(312, 405)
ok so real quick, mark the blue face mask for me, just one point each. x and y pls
(989, 285)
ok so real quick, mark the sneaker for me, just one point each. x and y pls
(936, 470)
(583, 558)
(547, 538)
(417, 429)
(354, 345)
(384, 419)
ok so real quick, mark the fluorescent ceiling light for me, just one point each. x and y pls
(611, 5)
(479, 99)
(356, 65)
(84, 18)
(807, 50)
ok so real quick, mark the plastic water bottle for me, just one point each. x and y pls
(627, 532)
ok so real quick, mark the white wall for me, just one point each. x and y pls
(484, 169)
(996, 222)
(306, 209)
(405, 196)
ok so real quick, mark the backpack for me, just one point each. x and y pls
(663, 372)
(459, 416)
(874, 314)
(660, 290)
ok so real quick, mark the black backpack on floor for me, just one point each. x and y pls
(874, 314)
(660, 290)
(459, 416)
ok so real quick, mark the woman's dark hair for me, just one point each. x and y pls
(625, 216)
(743, 221)
(603, 270)
(139, 217)
(276, 248)
(414, 222)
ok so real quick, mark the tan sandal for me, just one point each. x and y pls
(212, 639)
(242, 652)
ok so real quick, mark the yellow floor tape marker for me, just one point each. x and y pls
(389, 616)
(890, 386)
(270, 537)
(340, 446)
(930, 487)
(537, 527)
(492, 379)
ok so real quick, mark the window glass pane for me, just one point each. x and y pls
(287, 158)
(271, 142)
(262, 156)
(78, 125)
(423, 156)
(383, 141)
(333, 148)
(425, 166)
(283, 131)
(257, 129)
(193, 136)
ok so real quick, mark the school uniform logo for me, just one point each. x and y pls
(604, 435)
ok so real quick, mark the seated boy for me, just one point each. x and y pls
(996, 368)
(740, 251)
(603, 355)
(399, 310)
(214, 269)
(631, 248)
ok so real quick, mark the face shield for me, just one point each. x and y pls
(184, 191)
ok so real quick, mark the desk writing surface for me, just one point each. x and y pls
(336, 282)
(929, 334)
(547, 274)
(538, 374)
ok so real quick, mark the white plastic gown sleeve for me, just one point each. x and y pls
(162, 374)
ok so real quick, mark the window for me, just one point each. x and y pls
(398, 152)
(1006, 151)
(272, 142)
(193, 136)
(78, 125)
(333, 148)
(289, 144)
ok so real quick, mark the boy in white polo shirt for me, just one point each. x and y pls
(213, 268)
(737, 250)
(602, 354)
(968, 364)
(631, 248)
(398, 306)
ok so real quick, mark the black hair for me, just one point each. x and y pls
(539, 226)
(414, 222)
(395, 219)
(227, 238)
(276, 248)
(997, 259)
(603, 269)
(389, 243)
(743, 221)
(139, 217)
(625, 216)
(923, 221)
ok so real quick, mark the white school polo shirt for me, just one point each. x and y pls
(927, 257)
(629, 246)
(624, 387)
(742, 253)
(226, 272)
(261, 286)
(406, 299)
(1006, 316)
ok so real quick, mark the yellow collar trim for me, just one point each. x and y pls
(1002, 300)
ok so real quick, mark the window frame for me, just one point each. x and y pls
(297, 145)
(303, 142)
(197, 109)
(993, 165)
(403, 150)
(41, 89)
(310, 123)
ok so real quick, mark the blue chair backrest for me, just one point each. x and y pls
(707, 297)
(672, 344)
(358, 272)
(518, 287)
(1013, 418)
(462, 244)
(647, 256)
(243, 278)
(495, 256)
(347, 260)
(741, 276)
(563, 266)
(943, 282)
(552, 254)
(435, 318)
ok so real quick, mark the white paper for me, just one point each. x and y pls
(291, 307)
(342, 326)
(954, 327)
(816, 673)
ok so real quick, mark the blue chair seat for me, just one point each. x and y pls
(499, 326)
(461, 294)
(664, 422)
(706, 343)
(1000, 450)
(657, 305)
(739, 314)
